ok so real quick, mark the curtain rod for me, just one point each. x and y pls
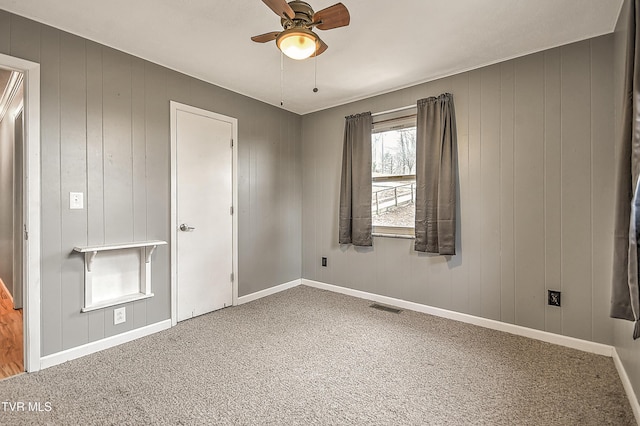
(395, 119)
(393, 110)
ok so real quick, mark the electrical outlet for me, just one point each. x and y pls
(324, 261)
(119, 315)
(553, 298)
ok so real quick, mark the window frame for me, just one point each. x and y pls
(386, 122)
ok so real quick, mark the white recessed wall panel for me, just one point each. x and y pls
(115, 274)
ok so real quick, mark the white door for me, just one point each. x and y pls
(204, 196)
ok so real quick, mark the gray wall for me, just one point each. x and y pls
(536, 175)
(7, 155)
(105, 132)
(627, 348)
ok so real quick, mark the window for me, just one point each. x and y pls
(393, 174)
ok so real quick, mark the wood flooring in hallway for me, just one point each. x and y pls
(11, 353)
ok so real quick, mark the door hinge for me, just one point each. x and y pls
(231, 210)
(26, 233)
(231, 142)
(232, 277)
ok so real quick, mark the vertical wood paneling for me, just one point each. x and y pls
(309, 185)
(157, 154)
(139, 159)
(552, 182)
(529, 191)
(95, 160)
(138, 313)
(118, 166)
(5, 32)
(293, 216)
(178, 86)
(512, 162)
(576, 191)
(438, 290)
(507, 177)
(392, 264)
(259, 179)
(95, 173)
(246, 134)
(602, 180)
(25, 38)
(73, 173)
(51, 197)
(420, 272)
(327, 204)
(460, 273)
(490, 106)
(473, 234)
(105, 132)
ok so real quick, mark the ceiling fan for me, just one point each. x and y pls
(297, 40)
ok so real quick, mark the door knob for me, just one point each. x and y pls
(186, 228)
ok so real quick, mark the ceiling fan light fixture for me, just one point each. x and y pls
(297, 43)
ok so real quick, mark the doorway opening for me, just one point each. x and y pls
(31, 208)
(12, 223)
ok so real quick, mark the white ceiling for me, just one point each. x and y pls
(389, 44)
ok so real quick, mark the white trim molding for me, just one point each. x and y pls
(100, 345)
(545, 336)
(268, 292)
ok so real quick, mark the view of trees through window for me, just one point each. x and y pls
(393, 177)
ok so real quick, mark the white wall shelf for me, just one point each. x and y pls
(117, 273)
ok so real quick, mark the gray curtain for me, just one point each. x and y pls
(436, 164)
(355, 185)
(625, 301)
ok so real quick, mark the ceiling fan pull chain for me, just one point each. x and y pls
(281, 79)
(315, 74)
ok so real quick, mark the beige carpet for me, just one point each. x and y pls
(307, 356)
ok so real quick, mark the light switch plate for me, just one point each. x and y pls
(76, 200)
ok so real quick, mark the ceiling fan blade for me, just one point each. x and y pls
(332, 17)
(263, 38)
(281, 8)
(322, 46)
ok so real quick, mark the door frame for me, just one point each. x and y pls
(174, 108)
(32, 204)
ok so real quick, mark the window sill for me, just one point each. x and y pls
(401, 236)
(116, 301)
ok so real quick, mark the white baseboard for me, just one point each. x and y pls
(267, 292)
(626, 383)
(571, 342)
(109, 342)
